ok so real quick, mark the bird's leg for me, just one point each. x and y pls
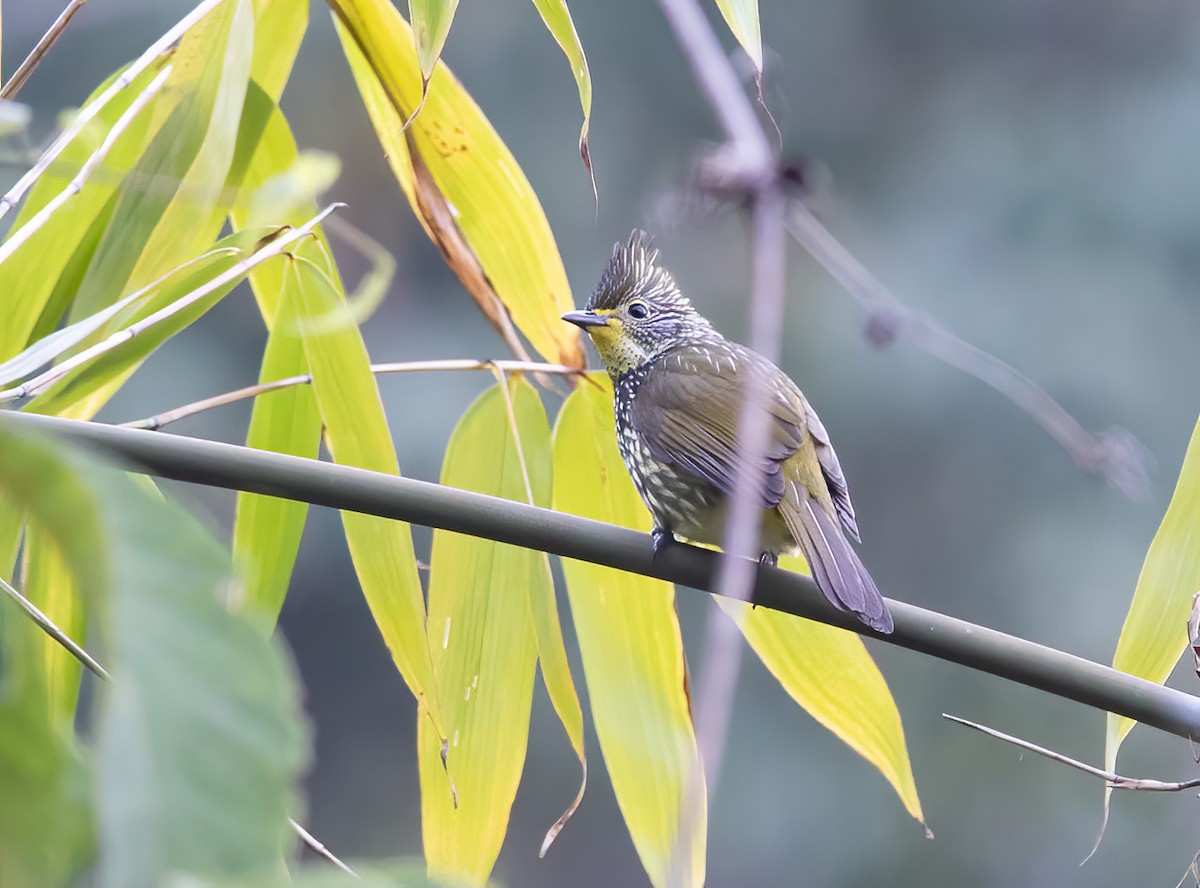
(769, 559)
(661, 537)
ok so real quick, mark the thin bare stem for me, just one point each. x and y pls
(27, 67)
(1114, 454)
(19, 237)
(1116, 781)
(271, 248)
(47, 625)
(89, 112)
(308, 839)
(159, 420)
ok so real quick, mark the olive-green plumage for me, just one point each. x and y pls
(679, 387)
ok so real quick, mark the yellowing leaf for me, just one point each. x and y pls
(742, 18)
(50, 585)
(431, 25)
(462, 182)
(632, 654)
(482, 638)
(557, 17)
(357, 435)
(1155, 632)
(829, 672)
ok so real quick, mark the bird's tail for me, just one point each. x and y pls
(836, 567)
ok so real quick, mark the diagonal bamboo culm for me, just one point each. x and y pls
(421, 502)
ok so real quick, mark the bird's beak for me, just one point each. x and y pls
(585, 319)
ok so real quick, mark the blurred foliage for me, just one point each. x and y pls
(188, 762)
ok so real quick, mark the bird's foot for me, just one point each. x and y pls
(660, 538)
(769, 559)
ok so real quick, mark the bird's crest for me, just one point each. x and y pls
(634, 270)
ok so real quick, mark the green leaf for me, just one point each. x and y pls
(464, 185)
(1155, 632)
(357, 434)
(557, 17)
(632, 652)
(829, 672)
(742, 18)
(431, 25)
(482, 637)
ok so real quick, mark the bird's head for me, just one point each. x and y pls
(637, 312)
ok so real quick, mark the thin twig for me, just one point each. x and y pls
(159, 420)
(1116, 781)
(27, 67)
(89, 112)
(1114, 454)
(420, 502)
(273, 247)
(308, 839)
(47, 625)
(19, 237)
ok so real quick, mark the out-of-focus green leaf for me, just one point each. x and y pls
(742, 18)
(81, 391)
(462, 182)
(829, 672)
(632, 654)
(199, 740)
(357, 434)
(557, 17)
(482, 638)
(11, 521)
(1155, 632)
(431, 21)
(50, 585)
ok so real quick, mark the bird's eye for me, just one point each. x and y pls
(638, 310)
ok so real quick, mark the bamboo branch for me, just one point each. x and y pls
(308, 839)
(159, 420)
(48, 626)
(27, 67)
(342, 487)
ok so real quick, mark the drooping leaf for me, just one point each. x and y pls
(1154, 635)
(357, 434)
(431, 21)
(557, 17)
(484, 651)
(829, 672)
(462, 182)
(632, 652)
(742, 18)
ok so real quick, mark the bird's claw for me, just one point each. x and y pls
(660, 538)
(768, 559)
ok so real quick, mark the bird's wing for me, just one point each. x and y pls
(832, 470)
(686, 412)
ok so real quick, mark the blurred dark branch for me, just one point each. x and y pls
(1114, 454)
(27, 67)
(341, 487)
(1116, 781)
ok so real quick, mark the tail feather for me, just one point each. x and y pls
(836, 567)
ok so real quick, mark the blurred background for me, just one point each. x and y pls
(1024, 171)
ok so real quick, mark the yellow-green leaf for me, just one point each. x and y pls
(632, 652)
(742, 18)
(463, 183)
(482, 638)
(431, 25)
(829, 672)
(1155, 632)
(557, 17)
(357, 434)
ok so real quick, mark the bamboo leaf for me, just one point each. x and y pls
(632, 652)
(431, 21)
(742, 18)
(557, 17)
(829, 672)
(1154, 635)
(356, 433)
(479, 595)
(462, 182)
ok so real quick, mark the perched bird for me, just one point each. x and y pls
(679, 387)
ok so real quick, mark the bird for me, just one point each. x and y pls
(678, 388)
